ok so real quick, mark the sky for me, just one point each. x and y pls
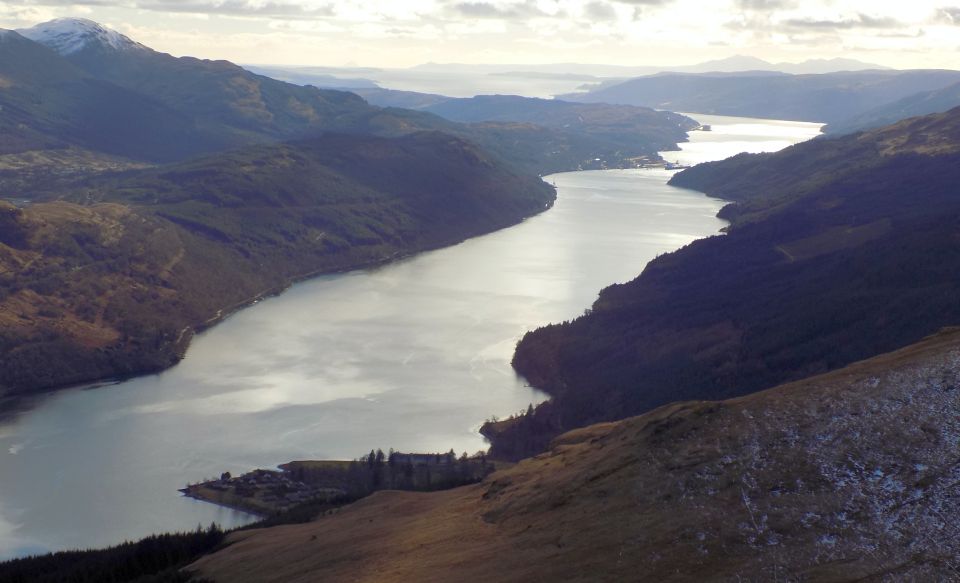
(403, 33)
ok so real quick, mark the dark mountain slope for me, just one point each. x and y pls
(126, 99)
(228, 100)
(827, 98)
(48, 103)
(843, 477)
(234, 107)
(636, 128)
(924, 103)
(545, 135)
(826, 264)
(115, 282)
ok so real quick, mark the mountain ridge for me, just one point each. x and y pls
(71, 35)
(826, 98)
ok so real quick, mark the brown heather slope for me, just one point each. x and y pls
(114, 282)
(847, 476)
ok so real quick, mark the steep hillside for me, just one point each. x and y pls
(227, 100)
(924, 103)
(840, 250)
(761, 184)
(843, 477)
(105, 93)
(48, 104)
(229, 106)
(827, 98)
(114, 280)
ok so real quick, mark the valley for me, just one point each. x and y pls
(414, 355)
(839, 249)
(222, 285)
(141, 234)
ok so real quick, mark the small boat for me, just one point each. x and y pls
(675, 166)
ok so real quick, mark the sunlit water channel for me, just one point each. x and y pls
(413, 355)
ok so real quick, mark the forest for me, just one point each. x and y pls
(160, 558)
(155, 559)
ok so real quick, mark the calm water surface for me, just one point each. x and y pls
(414, 356)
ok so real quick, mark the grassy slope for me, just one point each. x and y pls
(841, 250)
(115, 282)
(839, 477)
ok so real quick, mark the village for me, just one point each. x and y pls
(261, 492)
(269, 492)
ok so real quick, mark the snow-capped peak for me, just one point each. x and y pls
(69, 35)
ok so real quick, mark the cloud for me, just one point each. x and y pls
(859, 21)
(599, 11)
(765, 5)
(238, 8)
(949, 15)
(246, 8)
(512, 11)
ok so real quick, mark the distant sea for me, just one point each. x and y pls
(453, 83)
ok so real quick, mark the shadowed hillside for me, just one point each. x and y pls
(48, 103)
(106, 92)
(115, 281)
(637, 128)
(924, 103)
(840, 250)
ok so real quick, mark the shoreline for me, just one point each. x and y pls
(14, 405)
(187, 493)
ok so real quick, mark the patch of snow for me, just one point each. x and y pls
(70, 35)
